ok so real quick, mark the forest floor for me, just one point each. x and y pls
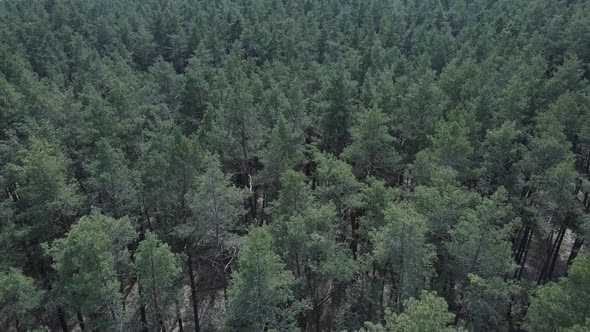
(537, 256)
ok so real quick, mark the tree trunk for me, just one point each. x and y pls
(551, 253)
(262, 208)
(81, 321)
(548, 253)
(523, 243)
(142, 313)
(191, 275)
(575, 250)
(62, 320)
(155, 296)
(381, 297)
(254, 202)
(179, 320)
(317, 313)
(128, 291)
(556, 253)
(526, 252)
(354, 227)
(516, 244)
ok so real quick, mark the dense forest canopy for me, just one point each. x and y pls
(294, 165)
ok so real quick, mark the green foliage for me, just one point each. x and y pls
(304, 232)
(500, 153)
(112, 182)
(479, 242)
(427, 314)
(375, 198)
(389, 147)
(168, 175)
(234, 128)
(294, 195)
(451, 146)
(20, 297)
(261, 295)
(443, 204)
(337, 184)
(283, 152)
(545, 150)
(85, 262)
(337, 103)
(217, 206)
(47, 192)
(487, 301)
(555, 187)
(400, 246)
(157, 271)
(562, 305)
(372, 152)
(421, 105)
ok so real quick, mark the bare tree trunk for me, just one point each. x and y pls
(354, 229)
(193, 285)
(81, 321)
(548, 253)
(575, 250)
(317, 313)
(523, 243)
(179, 320)
(516, 244)
(62, 320)
(142, 313)
(556, 253)
(526, 252)
(554, 250)
(381, 297)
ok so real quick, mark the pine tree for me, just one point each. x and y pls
(402, 251)
(85, 262)
(213, 210)
(304, 232)
(234, 129)
(451, 146)
(337, 184)
(487, 301)
(217, 206)
(419, 108)
(283, 152)
(157, 271)
(46, 193)
(168, 175)
(479, 242)
(169, 84)
(294, 195)
(500, 153)
(195, 93)
(375, 198)
(564, 304)
(261, 294)
(427, 314)
(20, 298)
(337, 101)
(372, 151)
(112, 181)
